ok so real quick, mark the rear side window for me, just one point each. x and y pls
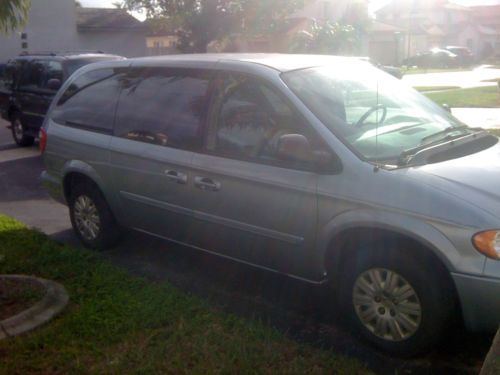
(89, 102)
(164, 107)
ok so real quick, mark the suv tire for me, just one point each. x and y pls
(408, 309)
(91, 217)
(18, 132)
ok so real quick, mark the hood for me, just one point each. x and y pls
(473, 178)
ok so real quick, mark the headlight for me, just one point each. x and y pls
(488, 243)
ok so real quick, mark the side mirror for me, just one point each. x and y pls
(54, 84)
(446, 107)
(294, 147)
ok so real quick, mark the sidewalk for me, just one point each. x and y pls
(478, 117)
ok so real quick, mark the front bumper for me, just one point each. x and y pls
(480, 301)
(53, 187)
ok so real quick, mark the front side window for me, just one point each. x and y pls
(32, 75)
(90, 100)
(375, 114)
(249, 120)
(163, 106)
(37, 73)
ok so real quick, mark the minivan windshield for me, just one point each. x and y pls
(375, 114)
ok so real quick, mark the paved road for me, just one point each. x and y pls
(464, 79)
(302, 311)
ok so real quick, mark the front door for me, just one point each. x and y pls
(249, 203)
(34, 95)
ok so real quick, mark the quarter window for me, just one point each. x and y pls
(90, 100)
(165, 107)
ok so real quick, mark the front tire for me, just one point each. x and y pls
(91, 217)
(18, 132)
(396, 298)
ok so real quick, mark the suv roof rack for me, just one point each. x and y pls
(59, 53)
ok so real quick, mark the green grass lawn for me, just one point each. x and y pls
(435, 88)
(119, 324)
(485, 97)
(495, 132)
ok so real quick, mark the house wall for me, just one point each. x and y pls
(120, 42)
(51, 26)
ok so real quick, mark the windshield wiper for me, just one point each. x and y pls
(407, 155)
(445, 132)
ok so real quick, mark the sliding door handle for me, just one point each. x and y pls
(205, 183)
(180, 178)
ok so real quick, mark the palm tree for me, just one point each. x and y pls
(13, 14)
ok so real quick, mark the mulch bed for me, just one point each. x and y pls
(18, 295)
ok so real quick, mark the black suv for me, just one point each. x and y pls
(29, 84)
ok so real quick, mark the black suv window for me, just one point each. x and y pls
(163, 106)
(7, 75)
(90, 101)
(36, 74)
(249, 118)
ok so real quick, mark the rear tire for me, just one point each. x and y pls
(396, 298)
(18, 132)
(91, 217)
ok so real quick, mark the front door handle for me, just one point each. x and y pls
(180, 178)
(207, 184)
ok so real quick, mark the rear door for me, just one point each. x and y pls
(249, 203)
(158, 125)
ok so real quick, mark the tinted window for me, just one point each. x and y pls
(31, 76)
(37, 73)
(51, 70)
(90, 100)
(6, 75)
(249, 120)
(163, 107)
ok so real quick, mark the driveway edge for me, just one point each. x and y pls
(54, 301)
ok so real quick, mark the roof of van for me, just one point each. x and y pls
(280, 62)
(67, 55)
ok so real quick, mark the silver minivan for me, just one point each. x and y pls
(321, 168)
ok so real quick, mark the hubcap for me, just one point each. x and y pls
(386, 304)
(87, 217)
(18, 128)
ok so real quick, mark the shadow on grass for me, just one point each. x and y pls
(305, 312)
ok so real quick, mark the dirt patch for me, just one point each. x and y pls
(18, 295)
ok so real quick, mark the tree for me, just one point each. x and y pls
(342, 37)
(326, 38)
(13, 14)
(199, 22)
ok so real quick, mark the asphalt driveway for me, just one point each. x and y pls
(304, 312)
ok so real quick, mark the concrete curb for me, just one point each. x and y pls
(491, 365)
(55, 299)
